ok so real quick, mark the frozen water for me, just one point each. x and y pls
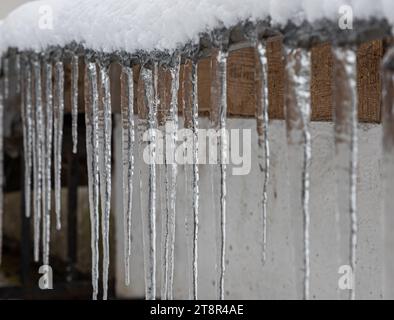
(297, 117)
(128, 141)
(92, 146)
(58, 136)
(74, 99)
(263, 141)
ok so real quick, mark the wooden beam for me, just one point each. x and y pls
(242, 82)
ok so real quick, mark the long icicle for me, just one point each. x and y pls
(220, 102)
(105, 135)
(174, 173)
(6, 76)
(149, 217)
(128, 142)
(263, 141)
(58, 137)
(39, 144)
(74, 99)
(27, 121)
(195, 177)
(346, 135)
(163, 176)
(48, 70)
(92, 141)
(298, 106)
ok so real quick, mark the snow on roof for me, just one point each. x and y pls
(130, 25)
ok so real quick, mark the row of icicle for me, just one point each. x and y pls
(42, 109)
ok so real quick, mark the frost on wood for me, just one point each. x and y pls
(297, 117)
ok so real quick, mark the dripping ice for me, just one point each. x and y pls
(346, 157)
(58, 136)
(128, 141)
(92, 146)
(263, 141)
(105, 136)
(148, 180)
(297, 118)
(74, 99)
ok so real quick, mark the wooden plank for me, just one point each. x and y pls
(243, 82)
(276, 78)
(241, 92)
(369, 57)
(321, 83)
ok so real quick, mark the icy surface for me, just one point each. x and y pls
(161, 24)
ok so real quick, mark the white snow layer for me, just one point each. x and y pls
(130, 25)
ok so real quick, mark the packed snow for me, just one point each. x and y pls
(132, 25)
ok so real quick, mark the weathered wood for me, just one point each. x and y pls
(321, 83)
(369, 57)
(243, 80)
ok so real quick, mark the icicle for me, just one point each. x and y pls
(105, 136)
(190, 111)
(263, 141)
(27, 122)
(148, 198)
(298, 117)
(6, 75)
(47, 158)
(195, 176)
(218, 118)
(74, 99)
(163, 204)
(346, 149)
(38, 154)
(17, 73)
(388, 155)
(58, 136)
(1, 165)
(128, 141)
(192, 217)
(92, 146)
(172, 174)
